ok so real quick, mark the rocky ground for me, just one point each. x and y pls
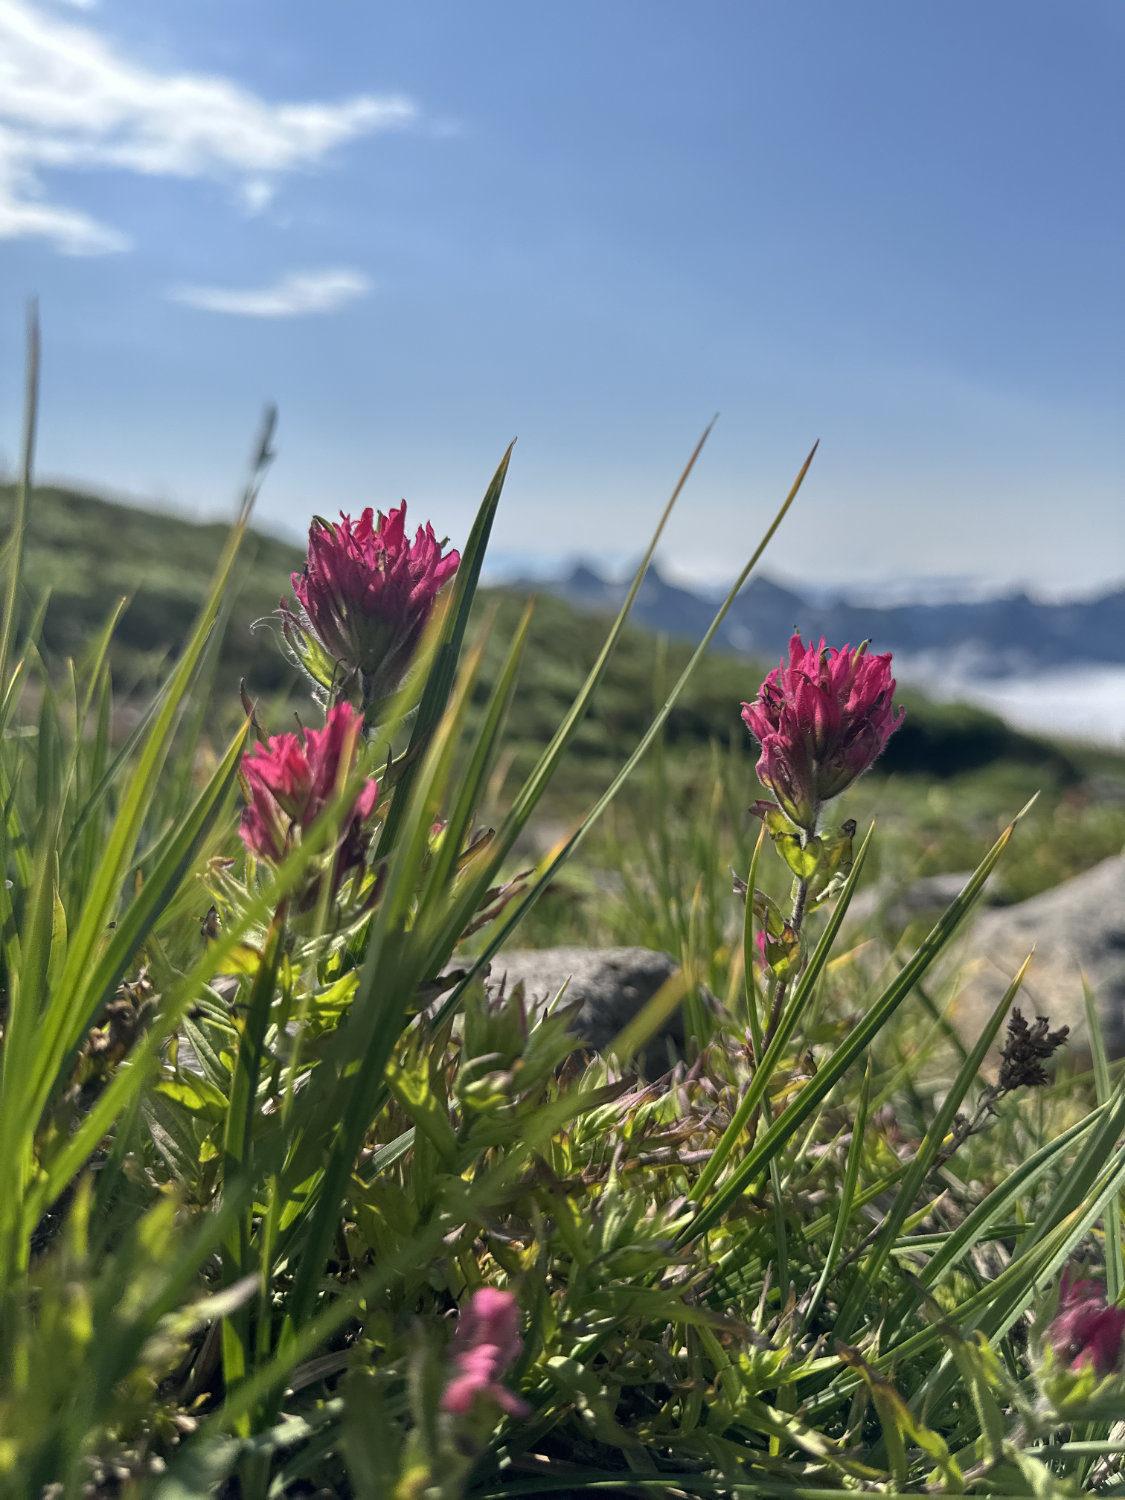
(1077, 932)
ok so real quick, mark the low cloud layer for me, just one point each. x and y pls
(70, 98)
(290, 296)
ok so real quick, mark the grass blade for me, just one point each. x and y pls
(533, 789)
(23, 496)
(1114, 1264)
(802, 993)
(847, 1195)
(440, 677)
(837, 1065)
(924, 1158)
(749, 951)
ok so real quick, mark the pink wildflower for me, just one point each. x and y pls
(366, 592)
(290, 780)
(1085, 1330)
(821, 722)
(486, 1342)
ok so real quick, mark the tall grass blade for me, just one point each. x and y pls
(750, 953)
(392, 970)
(1075, 1186)
(924, 1158)
(533, 789)
(998, 1304)
(847, 1196)
(127, 1083)
(1020, 1181)
(548, 762)
(802, 994)
(472, 779)
(1114, 1262)
(23, 498)
(439, 678)
(837, 1065)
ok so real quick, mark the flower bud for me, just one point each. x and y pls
(821, 722)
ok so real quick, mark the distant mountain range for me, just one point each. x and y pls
(1009, 636)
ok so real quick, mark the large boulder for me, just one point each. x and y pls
(610, 984)
(891, 907)
(1077, 928)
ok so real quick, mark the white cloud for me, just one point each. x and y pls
(70, 98)
(23, 213)
(291, 296)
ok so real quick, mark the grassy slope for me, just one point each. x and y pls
(949, 774)
(89, 552)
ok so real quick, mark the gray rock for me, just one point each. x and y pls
(1079, 927)
(894, 907)
(611, 984)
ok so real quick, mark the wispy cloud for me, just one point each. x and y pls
(290, 296)
(70, 98)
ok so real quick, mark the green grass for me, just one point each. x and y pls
(238, 1278)
(86, 552)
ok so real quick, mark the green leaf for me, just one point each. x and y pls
(171, 1135)
(833, 866)
(802, 858)
(195, 1094)
(412, 1088)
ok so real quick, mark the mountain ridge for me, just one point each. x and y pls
(1006, 635)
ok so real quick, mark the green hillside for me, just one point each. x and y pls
(87, 552)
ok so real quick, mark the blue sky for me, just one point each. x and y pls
(426, 228)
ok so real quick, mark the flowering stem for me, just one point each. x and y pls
(783, 984)
(799, 905)
(800, 897)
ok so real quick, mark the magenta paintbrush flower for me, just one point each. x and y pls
(486, 1342)
(290, 780)
(1085, 1330)
(821, 722)
(365, 594)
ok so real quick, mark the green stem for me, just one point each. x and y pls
(800, 898)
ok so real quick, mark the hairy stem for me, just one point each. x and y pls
(800, 897)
